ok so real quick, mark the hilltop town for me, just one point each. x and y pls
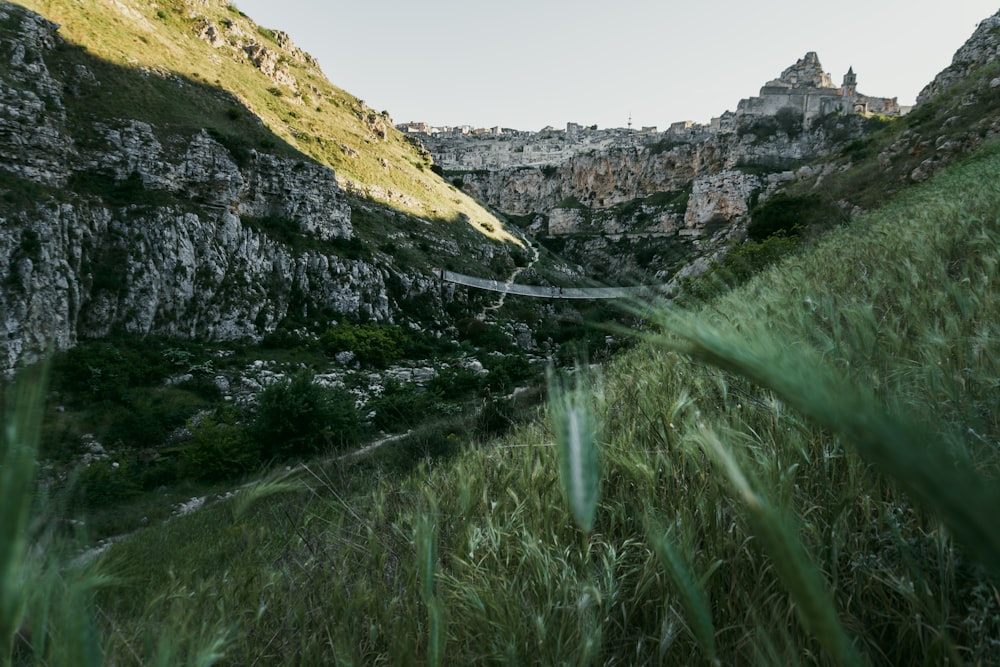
(803, 89)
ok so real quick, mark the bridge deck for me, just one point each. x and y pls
(547, 292)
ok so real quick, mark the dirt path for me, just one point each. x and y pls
(512, 278)
(201, 502)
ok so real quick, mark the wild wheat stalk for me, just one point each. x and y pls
(691, 591)
(22, 425)
(813, 602)
(577, 428)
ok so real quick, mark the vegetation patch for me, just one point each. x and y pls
(297, 417)
(791, 214)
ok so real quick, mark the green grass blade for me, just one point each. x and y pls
(576, 428)
(22, 424)
(692, 593)
(438, 628)
(813, 602)
(904, 449)
(425, 537)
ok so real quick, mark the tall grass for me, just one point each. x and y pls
(46, 609)
(48, 614)
(820, 448)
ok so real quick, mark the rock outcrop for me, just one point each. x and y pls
(120, 225)
(980, 49)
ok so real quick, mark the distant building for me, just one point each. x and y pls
(806, 88)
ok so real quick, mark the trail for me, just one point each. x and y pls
(201, 502)
(512, 278)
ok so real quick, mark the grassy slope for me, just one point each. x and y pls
(315, 118)
(780, 525)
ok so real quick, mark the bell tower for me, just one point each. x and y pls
(849, 91)
(850, 85)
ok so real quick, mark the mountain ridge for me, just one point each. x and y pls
(136, 198)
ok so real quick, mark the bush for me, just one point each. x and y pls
(496, 418)
(789, 214)
(457, 384)
(105, 371)
(148, 416)
(372, 345)
(204, 387)
(402, 407)
(299, 418)
(108, 483)
(483, 335)
(737, 266)
(219, 449)
(510, 371)
(789, 121)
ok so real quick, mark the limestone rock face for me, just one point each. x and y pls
(719, 170)
(168, 234)
(724, 196)
(267, 55)
(982, 48)
(643, 203)
(31, 109)
(681, 180)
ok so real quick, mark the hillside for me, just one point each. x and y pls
(734, 523)
(214, 45)
(157, 184)
(799, 470)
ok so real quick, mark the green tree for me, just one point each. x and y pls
(219, 449)
(372, 345)
(297, 417)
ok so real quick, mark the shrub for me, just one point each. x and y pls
(789, 121)
(297, 417)
(737, 266)
(761, 127)
(483, 335)
(108, 483)
(238, 146)
(219, 449)
(203, 386)
(457, 384)
(508, 372)
(789, 214)
(496, 418)
(105, 371)
(402, 406)
(31, 245)
(372, 344)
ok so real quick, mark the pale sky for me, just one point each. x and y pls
(525, 64)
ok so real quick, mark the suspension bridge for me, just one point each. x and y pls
(541, 292)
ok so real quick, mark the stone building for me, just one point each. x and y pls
(806, 88)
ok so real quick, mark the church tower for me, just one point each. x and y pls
(849, 90)
(850, 85)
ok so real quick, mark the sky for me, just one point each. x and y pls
(527, 64)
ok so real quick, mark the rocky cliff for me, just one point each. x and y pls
(648, 202)
(982, 48)
(111, 223)
(644, 202)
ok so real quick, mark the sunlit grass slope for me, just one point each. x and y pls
(845, 515)
(285, 89)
